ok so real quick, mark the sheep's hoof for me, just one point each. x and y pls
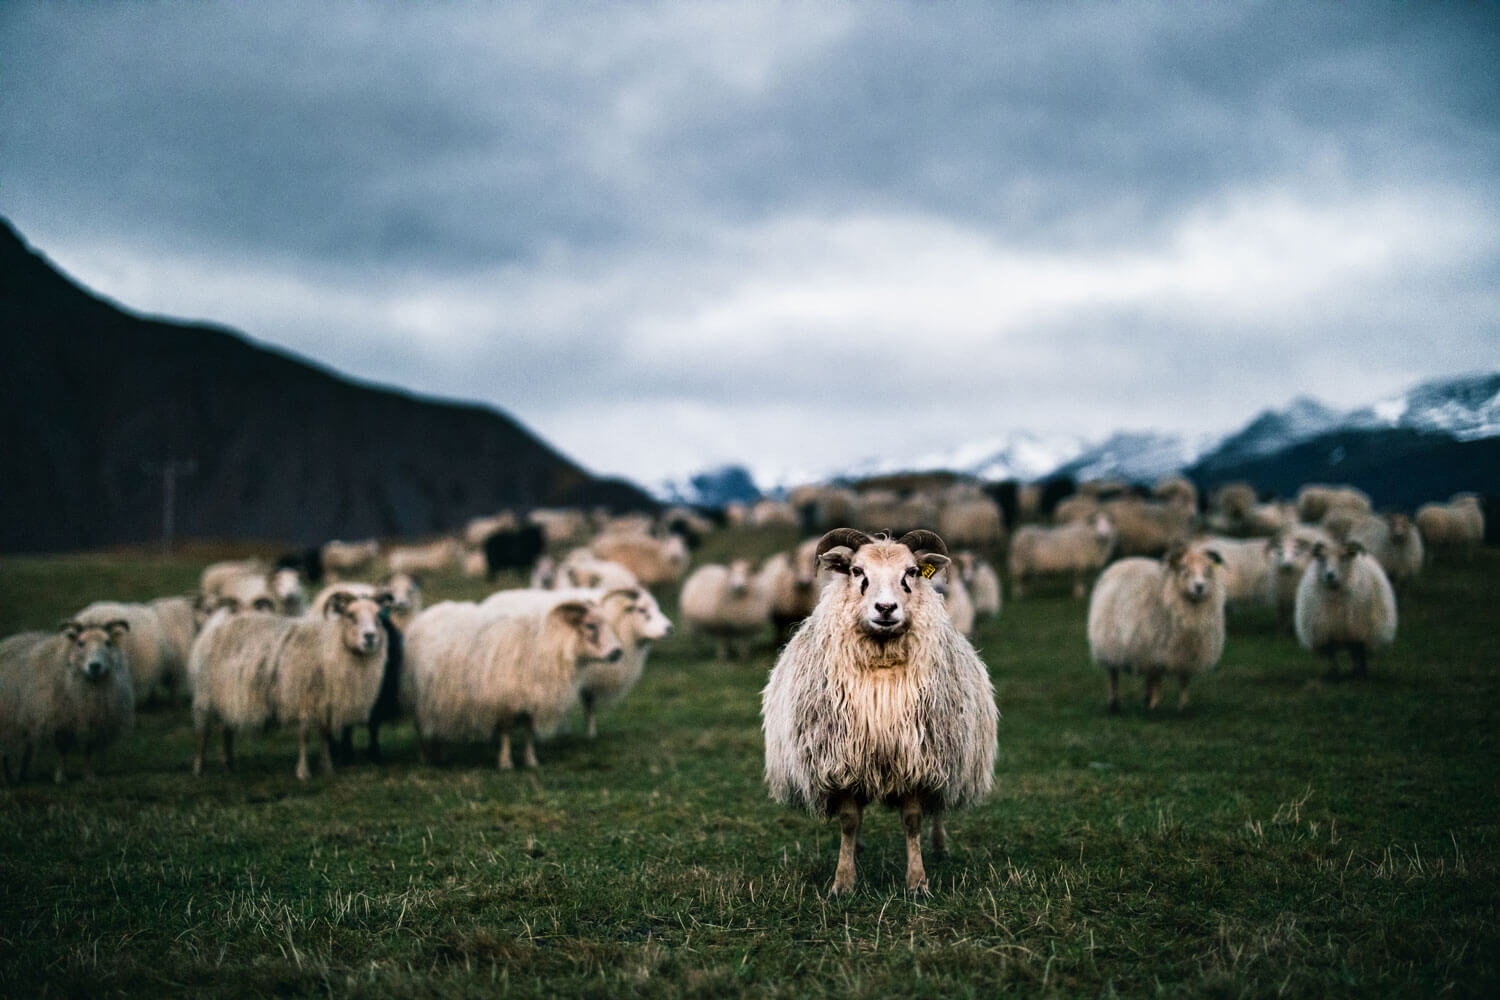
(303, 773)
(920, 889)
(841, 889)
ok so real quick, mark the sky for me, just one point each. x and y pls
(794, 235)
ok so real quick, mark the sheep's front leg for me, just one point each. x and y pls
(200, 749)
(851, 814)
(911, 819)
(303, 771)
(325, 761)
(1182, 699)
(505, 763)
(588, 715)
(1153, 691)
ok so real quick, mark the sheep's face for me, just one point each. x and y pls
(1104, 528)
(286, 585)
(1290, 554)
(1400, 527)
(359, 621)
(403, 591)
(94, 649)
(636, 612)
(1195, 573)
(887, 581)
(597, 641)
(1335, 563)
(739, 578)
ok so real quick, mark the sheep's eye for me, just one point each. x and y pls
(856, 571)
(911, 571)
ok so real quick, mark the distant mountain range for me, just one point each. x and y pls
(96, 401)
(1428, 442)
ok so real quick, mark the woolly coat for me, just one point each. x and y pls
(845, 713)
(1361, 612)
(1139, 620)
(44, 695)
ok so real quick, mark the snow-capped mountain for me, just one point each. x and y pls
(1467, 408)
(1136, 456)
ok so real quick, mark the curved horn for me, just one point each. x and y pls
(924, 541)
(850, 538)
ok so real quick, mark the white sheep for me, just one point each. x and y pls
(791, 578)
(983, 584)
(1248, 566)
(1147, 528)
(147, 647)
(434, 557)
(878, 698)
(956, 599)
(1076, 549)
(1345, 602)
(343, 559)
(653, 560)
(180, 619)
(71, 688)
(1156, 617)
(1290, 552)
(472, 672)
(253, 583)
(969, 518)
(1316, 501)
(1395, 542)
(1455, 526)
(727, 603)
(582, 569)
(631, 613)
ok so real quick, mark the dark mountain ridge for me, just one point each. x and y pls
(96, 399)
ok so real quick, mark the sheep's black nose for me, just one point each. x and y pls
(885, 610)
(614, 657)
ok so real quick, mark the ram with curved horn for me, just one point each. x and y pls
(878, 698)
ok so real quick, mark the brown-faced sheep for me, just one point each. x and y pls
(634, 617)
(72, 689)
(1158, 617)
(1345, 603)
(472, 673)
(727, 603)
(1080, 550)
(878, 698)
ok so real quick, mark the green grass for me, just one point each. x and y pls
(1287, 835)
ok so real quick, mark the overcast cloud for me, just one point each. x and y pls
(790, 234)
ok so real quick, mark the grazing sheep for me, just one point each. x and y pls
(435, 557)
(345, 559)
(1455, 526)
(878, 698)
(1345, 602)
(1158, 617)
(72, 688)
(727, 603)
(1395, 543)
(1290, 552)
(472, 672)
(654, 561)
(791, 578)
(1078, 549)
(983, 584)
(631, 613)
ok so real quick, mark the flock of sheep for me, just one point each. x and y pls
(877, 695)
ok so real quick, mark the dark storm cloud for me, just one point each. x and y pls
(1076, 215)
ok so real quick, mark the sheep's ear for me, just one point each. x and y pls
(932, 563)
(1174, 555)
(1213, 554)
(572, 612)
(836, 561)
(117, 628)
(71, 629)
(338, 603)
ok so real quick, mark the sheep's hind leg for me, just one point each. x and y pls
(303, 771)
(505, 763)
(325, 760)
(528, 756)
(939, 836)
(1153, 691)
(588, 715)
(911, 819)
(1182, 699)
(851, 814)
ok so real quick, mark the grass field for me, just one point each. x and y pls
(1287, 835)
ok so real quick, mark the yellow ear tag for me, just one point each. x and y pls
(927, 570)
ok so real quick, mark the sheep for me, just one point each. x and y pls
(472, 563)
(983, 584)
(1233, 501)
(878, 698)
(252, 583)
(253, 668)
(1290, 552)
(1176, 489)
(956, 600)
(1158, 617)
(72, 688)
(1079, 549)
(1345, 602)
(791, 579)
(727, 603)
(180, 620)
(1076, 509)
(435, 557)
(581, 568)
(1316, 501)
(345, 559)
(215, 575)
(147, 648)
(558, 525)
(634, 617)
(1456, 526)
(513, 550)
(472, 672)
(1247, 569)
(654, 561)
(1395, 543)
(1145, 528)
(972, 520)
